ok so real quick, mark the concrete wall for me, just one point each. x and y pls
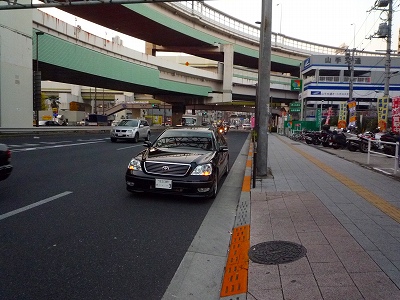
(16, 68)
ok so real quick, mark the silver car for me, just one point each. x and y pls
(131, 129)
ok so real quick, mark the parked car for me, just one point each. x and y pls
(49, 123)
(246, 126)
(5, 162)
(131, 129)
(187, 161)
(84, 122)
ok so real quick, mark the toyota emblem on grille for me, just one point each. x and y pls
(165, 168)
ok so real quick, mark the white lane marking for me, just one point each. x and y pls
(128, 147)
(22, 209)
(54, 143)
(83, 140)
(55, 146)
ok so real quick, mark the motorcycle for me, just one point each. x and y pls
(369, 136)
(390, 149)
(333, 139)
(324, 138)
(312, 137)
(338, 140)
(223, 129)
(353, 143)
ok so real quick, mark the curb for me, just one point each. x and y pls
(235, 279)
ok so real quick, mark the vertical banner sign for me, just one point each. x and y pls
(329, 115)
(396, 114)
(342, 115)
(383, 107)
(352, 112)
(318, 118)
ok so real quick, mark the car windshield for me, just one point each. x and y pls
(179, 139)
(129, 123)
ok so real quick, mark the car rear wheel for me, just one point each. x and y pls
(147, 137)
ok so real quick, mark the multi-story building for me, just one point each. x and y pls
(326, 82)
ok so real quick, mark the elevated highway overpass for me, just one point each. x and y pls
(71, 55)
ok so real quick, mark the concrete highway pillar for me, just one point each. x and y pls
(228, 73)
(16, 73)
(178, 109)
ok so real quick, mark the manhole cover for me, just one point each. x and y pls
(276, 252)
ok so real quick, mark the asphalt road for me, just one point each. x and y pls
(70, 230)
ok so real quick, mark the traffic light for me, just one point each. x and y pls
(37, 90)
(154, 105)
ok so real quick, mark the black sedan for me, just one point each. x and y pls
(187, 161)
(5, 162)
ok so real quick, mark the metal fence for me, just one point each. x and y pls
(249, 31)
(395, 156)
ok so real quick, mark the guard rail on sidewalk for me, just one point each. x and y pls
(395, 156)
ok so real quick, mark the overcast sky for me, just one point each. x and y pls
(328, 22)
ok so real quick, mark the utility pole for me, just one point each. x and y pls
(350, 103)
(388, 51)
(385, 31)
(264, 82)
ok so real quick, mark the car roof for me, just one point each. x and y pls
(191, 128)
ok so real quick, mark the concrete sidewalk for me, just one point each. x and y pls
(347, 218)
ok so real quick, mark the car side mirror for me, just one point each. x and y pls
(147, 144)
(223, 149)
(141, 126)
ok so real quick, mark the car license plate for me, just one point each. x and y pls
(163, 184)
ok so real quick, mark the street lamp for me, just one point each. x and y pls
(354, 34)
(37, 81)
(280, 20)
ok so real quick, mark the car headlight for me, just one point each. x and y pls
(203, 170)
(134, 164)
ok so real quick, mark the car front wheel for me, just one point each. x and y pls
(227, 168)
(136, 138)
(215, 188)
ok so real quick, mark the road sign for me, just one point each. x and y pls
(296, 84)
(295, 107)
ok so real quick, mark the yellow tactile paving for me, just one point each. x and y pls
(246, 184)
(236, 271)
(249, 163)
(380, 203)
